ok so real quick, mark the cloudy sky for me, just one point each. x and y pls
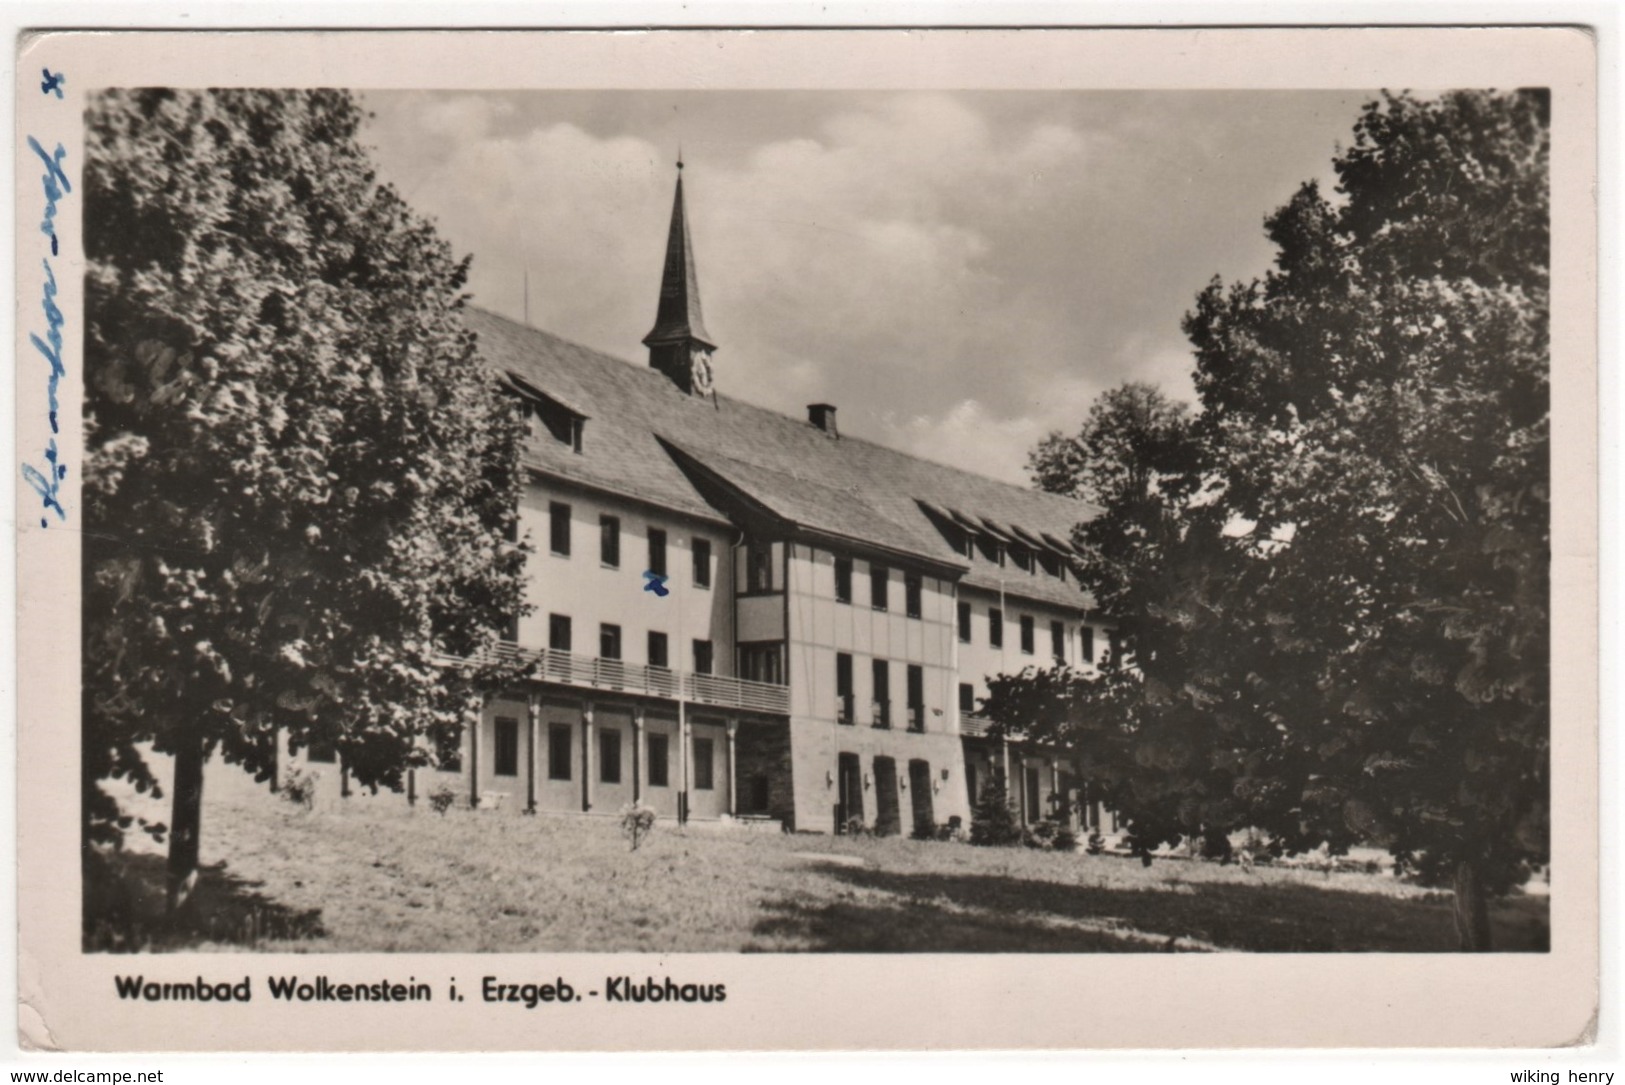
(960, 273)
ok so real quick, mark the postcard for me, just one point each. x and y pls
(1116, 544)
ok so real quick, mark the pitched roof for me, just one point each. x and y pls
(679, 316)
(846, 487)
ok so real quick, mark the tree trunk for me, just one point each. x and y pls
(1472, 909)
(185, 822)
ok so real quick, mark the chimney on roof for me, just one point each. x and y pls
(822, 415)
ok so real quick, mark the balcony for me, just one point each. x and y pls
(845, 709)
(880, 711)
(592, 672)
(916, 717)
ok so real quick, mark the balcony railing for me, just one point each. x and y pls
(881, 712)
(916, 717)
(593, 672)
(845, 711)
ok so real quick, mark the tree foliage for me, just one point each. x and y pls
(300, 486)
(1340, 610)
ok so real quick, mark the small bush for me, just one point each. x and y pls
(441, 799)
(1096, 844)
(637, 821)
(1065, 840)
(299, 787)
(1040, 834)
(856, 826)
(993, 823)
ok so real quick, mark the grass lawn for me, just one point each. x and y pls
(378, 877)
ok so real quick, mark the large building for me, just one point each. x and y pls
(741, 614)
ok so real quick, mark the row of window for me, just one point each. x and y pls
(609, 544)
(1057, 634)
(560, 759)
(879, 587)
(880, 707)
(1031, 562)
(561, 638)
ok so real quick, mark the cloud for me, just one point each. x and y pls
(959, 273)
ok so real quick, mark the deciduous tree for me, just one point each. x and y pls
(1369, 573)
(300, 486)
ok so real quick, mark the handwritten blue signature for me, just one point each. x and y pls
(47, 481)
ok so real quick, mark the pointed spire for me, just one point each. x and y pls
(679, 318)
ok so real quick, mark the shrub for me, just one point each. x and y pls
(299, 787)
(856, 826)
(1065, 840)
(992, 822)
(1040, 834)
(1096, 844)
(441, 799)
(637, 821)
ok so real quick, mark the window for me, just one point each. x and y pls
(564, 425)
(759, 567)
(1114, 650)
(916, 697)
(702, 657)
(558, 751)
(995, 627)
(658, 654)
(1057, 641)
(609, 541)
(1087, 636)
(451, 760)
(558, 632)
(761, 663)
(657, 551)
(882, 687)
(843, 688)
(1023, 559)
(609, 757)
(970, 781)
(704, 779)
(878, 576)
(558, 528)
(967, 545)
(911, 594)
(702, 563)
(657, 760)
(510, 630)
(843, 580)
(609, 641)
(507, 751)
(1029, 787)
(967, 698)
(1027, 634)
(964, 623)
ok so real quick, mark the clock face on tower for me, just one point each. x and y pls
(699, 369)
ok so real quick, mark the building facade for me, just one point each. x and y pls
(740, 614)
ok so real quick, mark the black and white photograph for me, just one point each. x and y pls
(882, 521)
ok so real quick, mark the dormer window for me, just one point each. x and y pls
(546, 417)
(1022, 558)
(561, 423)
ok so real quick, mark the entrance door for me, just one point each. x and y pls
(888, 818)
(919, 791)
(1030, 795)
(850, 775)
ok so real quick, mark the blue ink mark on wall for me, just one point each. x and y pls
(46, 481)
(52, 83)
(656, 584)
